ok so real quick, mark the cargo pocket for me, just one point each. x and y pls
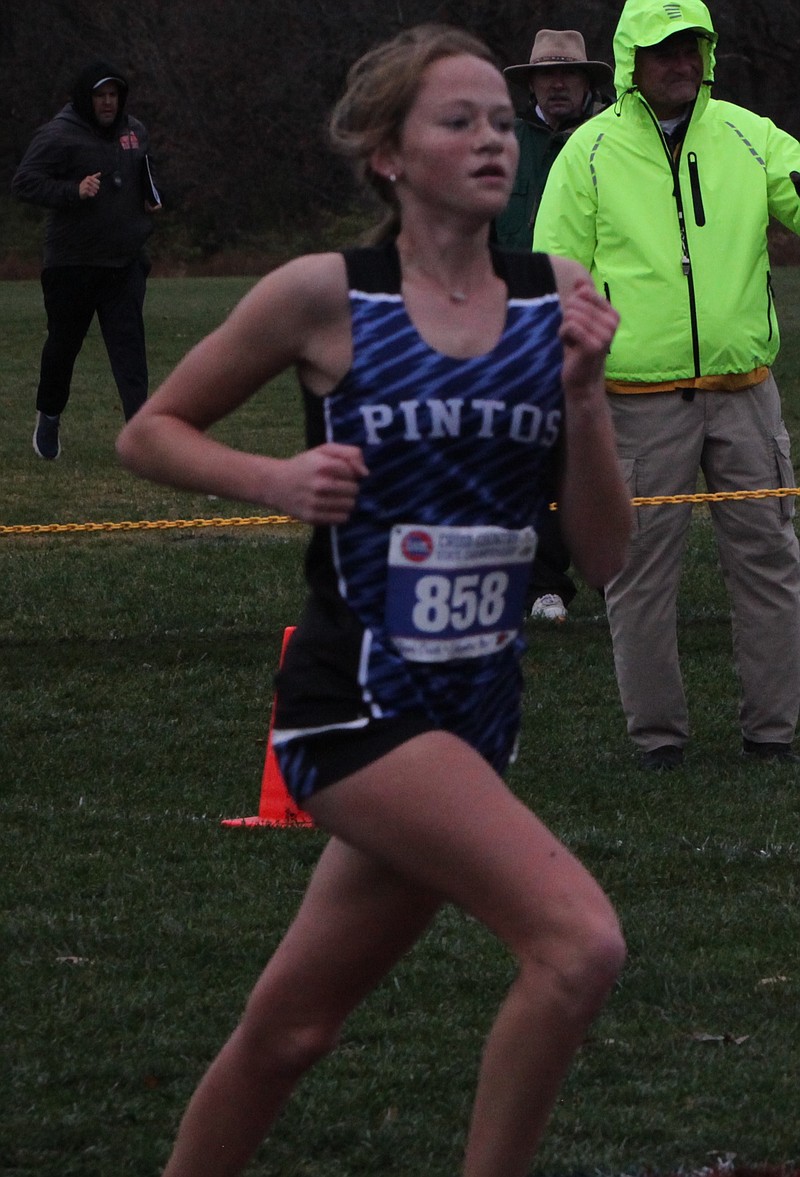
(783, 461)
(628, 469)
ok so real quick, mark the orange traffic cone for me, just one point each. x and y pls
(276, 807)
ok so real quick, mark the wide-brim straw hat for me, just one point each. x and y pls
(560, 47)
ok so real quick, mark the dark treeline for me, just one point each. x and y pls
(236, 95)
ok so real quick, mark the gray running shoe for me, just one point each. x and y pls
(45, 437)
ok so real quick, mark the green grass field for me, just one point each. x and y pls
(136, 687)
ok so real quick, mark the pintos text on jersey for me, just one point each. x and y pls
(415, 420)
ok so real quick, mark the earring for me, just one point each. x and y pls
(392, 178)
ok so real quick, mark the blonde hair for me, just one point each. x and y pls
(381, 89)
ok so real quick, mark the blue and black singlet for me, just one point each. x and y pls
(416, 602)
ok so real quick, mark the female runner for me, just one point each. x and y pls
(444, 384)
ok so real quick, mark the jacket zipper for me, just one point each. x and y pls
(770, 303)
(686, 261)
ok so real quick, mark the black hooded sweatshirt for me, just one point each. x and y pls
(111, 228)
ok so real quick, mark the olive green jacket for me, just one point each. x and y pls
(539, 145)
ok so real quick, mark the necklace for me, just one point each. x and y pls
(457, 297)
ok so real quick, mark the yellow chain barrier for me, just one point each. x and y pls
(143, 525)
(719, 496)
(780, 492)
(272, 520)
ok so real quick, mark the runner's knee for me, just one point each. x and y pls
(288, 1049)
(582, 961)
(602, 957)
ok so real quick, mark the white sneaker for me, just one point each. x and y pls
(549, 607)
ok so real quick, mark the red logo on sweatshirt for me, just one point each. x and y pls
(129, 142)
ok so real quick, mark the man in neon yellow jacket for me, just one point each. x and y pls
(665, 198)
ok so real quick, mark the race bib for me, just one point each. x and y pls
(456, 592)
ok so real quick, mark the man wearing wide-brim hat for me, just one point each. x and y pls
(563, 89)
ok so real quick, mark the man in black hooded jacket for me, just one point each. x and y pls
(89, 167)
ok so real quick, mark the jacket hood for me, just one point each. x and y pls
(647, 22)
(84, 84)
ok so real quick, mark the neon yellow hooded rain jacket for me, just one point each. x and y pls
(679, 247)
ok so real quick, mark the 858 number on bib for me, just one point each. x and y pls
(460, 602)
